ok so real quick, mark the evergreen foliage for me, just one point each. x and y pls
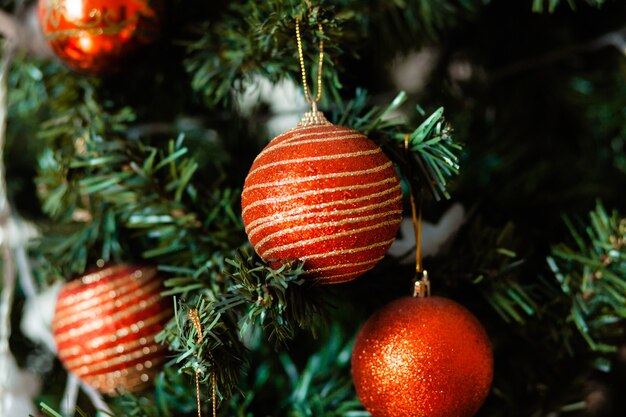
(147, 165)
(592, 275)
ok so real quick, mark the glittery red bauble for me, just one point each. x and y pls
(422, 357)
(326, 195)
(104, 327)
(95, 35)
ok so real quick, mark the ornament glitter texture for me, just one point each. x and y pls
(422, 357)
(326, 195)
(94, 36)
(104, 327)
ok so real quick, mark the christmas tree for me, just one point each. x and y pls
(159, 258)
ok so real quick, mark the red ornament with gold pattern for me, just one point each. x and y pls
(94, 36)
(104, 327)
(324, 194)
(422, 356)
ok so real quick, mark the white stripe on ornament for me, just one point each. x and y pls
(298, 140)
(282, 199)
(315, 159)
(125, 331)
(139, 276)
(291, 181)
(334, 204)
(266, 254)
(97, 324)
(312, 226)
(348, 251)
(117, 297)
(277, 219)
(125, 357)
(346, 265)
(333, 278)
(106, 354)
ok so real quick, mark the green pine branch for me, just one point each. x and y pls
(591, 271)
(221, 351)
(254, 296)
(173, 395)
(265, 45)
(258, 38)
(491, 260)
(323, 387)
(103, 190)
(279, 299)
(106, 191)
(320, 387)
(432, 157)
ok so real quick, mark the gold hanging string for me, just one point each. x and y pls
(422, 284)
(417, 220)
(305, 84)
(417, 225)
(213, 385)
(195, 320)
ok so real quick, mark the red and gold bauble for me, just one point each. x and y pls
(422, 357)
(323, 194)
(104, 327)
(94, 36)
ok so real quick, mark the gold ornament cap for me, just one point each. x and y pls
(313, 117)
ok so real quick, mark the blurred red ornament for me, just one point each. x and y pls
(326, 195)
(422, 357)
(94, 36)
(104, 327)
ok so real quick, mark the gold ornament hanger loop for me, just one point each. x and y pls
(422, 284)
(305, 84)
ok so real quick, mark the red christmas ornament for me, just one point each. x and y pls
(422, 357)
(104, 327)
(326, 195)
(95, 35)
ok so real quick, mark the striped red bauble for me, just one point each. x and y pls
(326, 195)
(104, 327)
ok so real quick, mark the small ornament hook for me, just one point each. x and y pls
(422, 285)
